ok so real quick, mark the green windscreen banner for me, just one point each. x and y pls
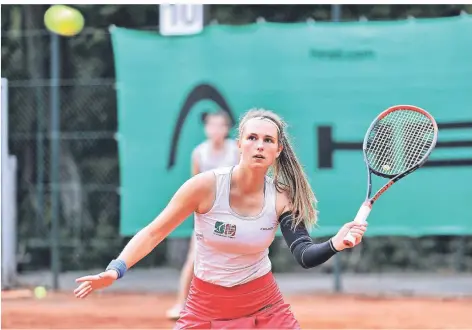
(328, 81)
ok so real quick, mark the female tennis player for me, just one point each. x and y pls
(217, 151)
(237, 212)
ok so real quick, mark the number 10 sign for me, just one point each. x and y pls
(180, 19)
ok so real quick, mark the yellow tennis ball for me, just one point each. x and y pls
(40, 292)
(64, 20)
(386, 167)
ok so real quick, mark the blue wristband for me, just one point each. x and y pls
(119, 266)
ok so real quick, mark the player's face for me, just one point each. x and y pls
(216, 128)
(259, 143)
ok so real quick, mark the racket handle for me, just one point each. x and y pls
(360, 218)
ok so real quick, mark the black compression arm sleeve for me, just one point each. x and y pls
(307, 253)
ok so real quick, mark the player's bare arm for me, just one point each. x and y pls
(194, 195)
(282, 203)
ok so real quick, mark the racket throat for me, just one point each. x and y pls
(381, 191)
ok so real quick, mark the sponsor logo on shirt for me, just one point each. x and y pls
(225, 229)
(199, 236)
(274, 225)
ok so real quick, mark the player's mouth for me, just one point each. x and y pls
(258, 156)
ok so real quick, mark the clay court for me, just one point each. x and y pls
(146, 311)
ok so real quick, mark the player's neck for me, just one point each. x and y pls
(248, 180)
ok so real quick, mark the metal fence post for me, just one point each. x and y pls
(336, 17)
(55, 158)
(336, 12)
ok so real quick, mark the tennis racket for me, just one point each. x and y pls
(398, 142)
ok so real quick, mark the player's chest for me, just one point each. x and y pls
(231, 234)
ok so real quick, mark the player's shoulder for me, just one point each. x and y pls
(283, 202)
(203, 182)
(283, 196)
(211, 175)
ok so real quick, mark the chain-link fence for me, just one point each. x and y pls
(88, 162)
(89, 174)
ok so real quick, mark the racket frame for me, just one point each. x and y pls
(366, 207)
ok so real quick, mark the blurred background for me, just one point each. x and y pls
(63, 198)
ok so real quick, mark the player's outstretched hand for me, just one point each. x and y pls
(357, 230)
(94, 282)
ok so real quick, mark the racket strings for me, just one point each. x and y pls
(390, 153)
(399, 141)
(415, 150)
(396, 144)
(419, 138)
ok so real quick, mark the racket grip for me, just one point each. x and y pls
(360, 218)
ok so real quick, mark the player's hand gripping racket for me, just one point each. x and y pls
(398, 142)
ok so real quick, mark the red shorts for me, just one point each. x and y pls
(254, 305)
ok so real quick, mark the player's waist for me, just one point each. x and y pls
(228, 273)
(219, 302)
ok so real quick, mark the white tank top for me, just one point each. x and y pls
(231, 249)
(208, 159)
